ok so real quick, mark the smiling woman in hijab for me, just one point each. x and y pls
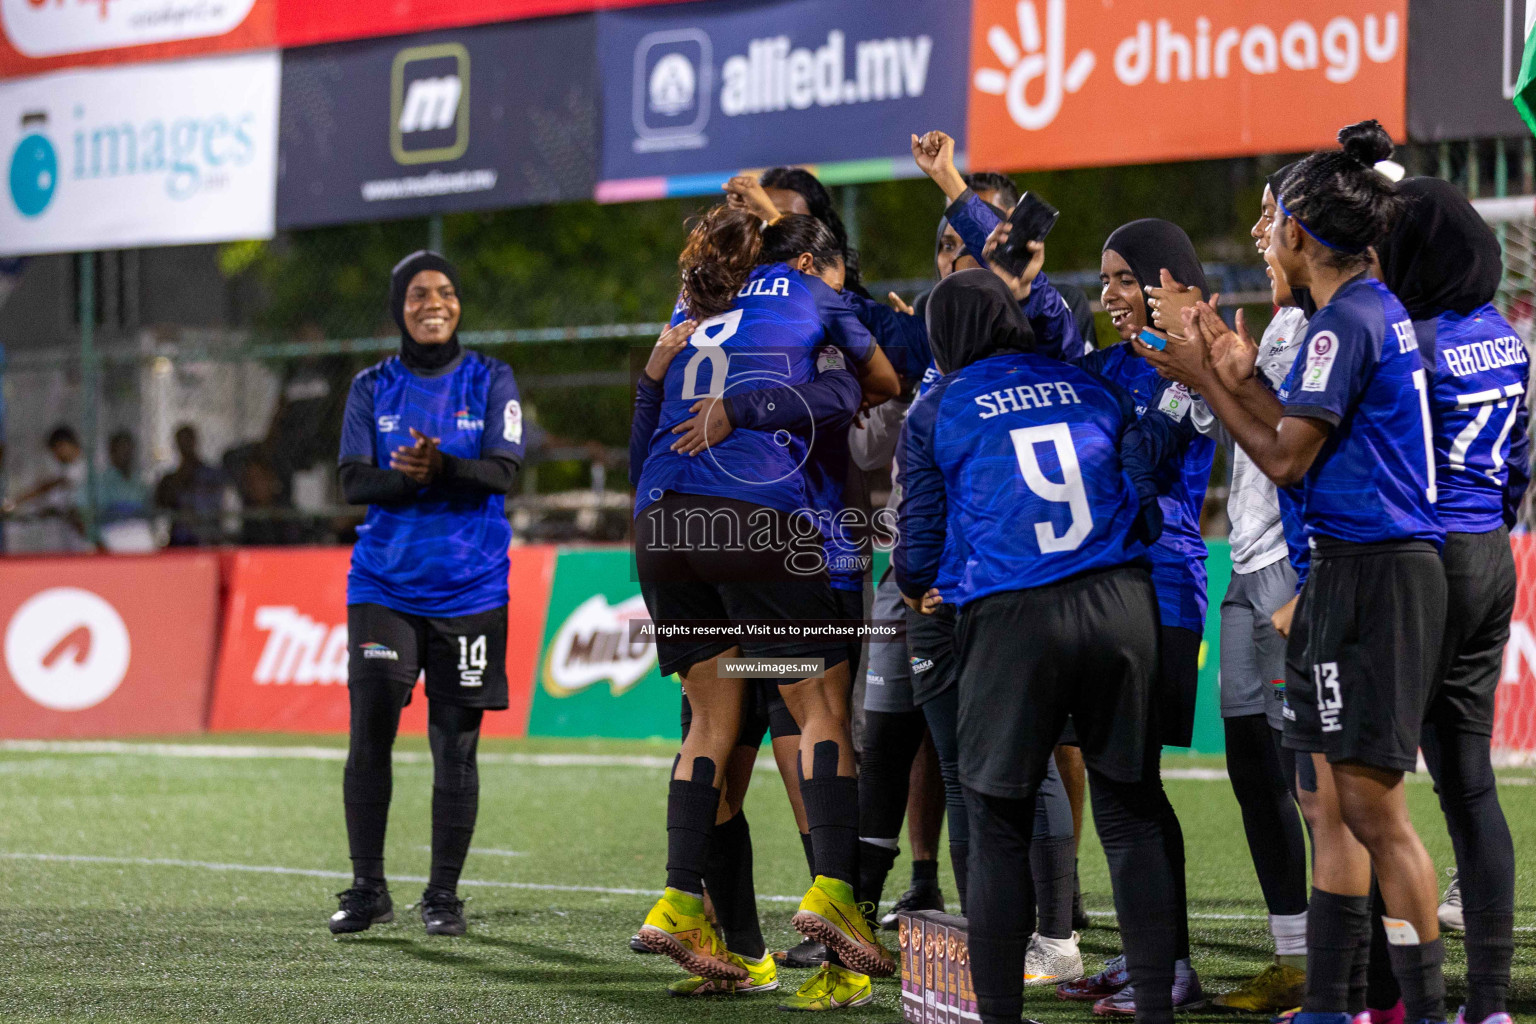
(1028, 503)
(1133, 261)
(431, 443)
(1443, 263)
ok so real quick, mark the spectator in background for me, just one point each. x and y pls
(55, 496)
(194, 495)
(122, 499)
(261, 493)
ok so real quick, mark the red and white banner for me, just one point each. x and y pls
(106, 646)
(283, 662)
(1514, 723)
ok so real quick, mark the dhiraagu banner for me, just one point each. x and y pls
(592, 679)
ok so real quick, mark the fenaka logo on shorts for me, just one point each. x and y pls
(375, 651)
(593, 645)
(429, 104)
(1321, 354)
(67, 648)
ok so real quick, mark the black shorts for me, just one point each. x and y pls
(1480, 598)
(850, 606)
(687, 578)
(931, 640)
(1178, 678)
(1085, 647)
(763, 713)
(464, 658)
(1363, 652)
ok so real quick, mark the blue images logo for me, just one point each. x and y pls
(34, 173)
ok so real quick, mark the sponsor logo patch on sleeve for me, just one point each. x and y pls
(830, 359)
(1321, 353)
(512, 422)
(1176, 402)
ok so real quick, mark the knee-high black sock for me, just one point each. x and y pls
(875, 862)
(1132, 819)
(832, 813)
(1002, 912)
(1052, 863)
(454, 735)
(1485, 858)
(728, 876)
(1420, 972)
(960, 861)
(810, 852)
(1270, 819)
(691, 808)
(1381, 988)
(1173, 844)
(1337, 926)
(368, 780)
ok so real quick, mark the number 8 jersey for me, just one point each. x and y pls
(769, 339)
(1360, 371)
(1017, 459)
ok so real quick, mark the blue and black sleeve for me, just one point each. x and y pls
(924, 506)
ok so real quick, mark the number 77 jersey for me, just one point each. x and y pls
(1013, 478)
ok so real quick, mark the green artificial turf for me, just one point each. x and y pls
(133, 936)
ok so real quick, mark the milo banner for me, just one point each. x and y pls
(592, 680)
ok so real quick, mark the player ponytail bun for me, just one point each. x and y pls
(721, 251)
(1345, 205)
(1366, 142)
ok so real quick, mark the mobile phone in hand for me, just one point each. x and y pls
(1030, 221)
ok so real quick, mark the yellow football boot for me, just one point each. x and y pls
(829, 915)
(831, 988)
(762, 976)
(676, 927)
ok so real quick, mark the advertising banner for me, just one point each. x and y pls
(305, 22)
(283, 661)
(154, 154)
(1514, 723)
(692, 94)
(1057, 84)
(472, 119)
(43, 35)
(1463, 62)
(97, 647)
(592, 679)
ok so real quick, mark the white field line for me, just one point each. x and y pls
(267, 869)
(217, 751)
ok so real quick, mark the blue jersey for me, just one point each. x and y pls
(1178, 558)
(1360, 371)
(444, 554)
(768, 339)
(1013, 478)
(1479, 374)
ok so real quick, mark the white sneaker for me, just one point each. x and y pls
(1450, 908)
(1052, 961)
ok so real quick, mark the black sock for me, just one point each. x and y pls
(810, 853)
(832, 811)
(875, 863)
(1132, 820)
(691, 808)
(1000, 921)
(1051, 862)
(367, 781)
(1337, 926)
(1490, 948)
(960, 861)
(453, 826)
(925, 872)
(1381, 989)
(728, 876)
(1419, 970)
(1078, 913)
(1173, 842)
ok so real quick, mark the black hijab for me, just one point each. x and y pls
(972, 315)
(412, 353)
(1151, 245)
(1440, 255)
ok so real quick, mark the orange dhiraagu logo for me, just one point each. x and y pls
(1072, 83)
(593, 645)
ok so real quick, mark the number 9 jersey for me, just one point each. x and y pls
(769, 339)
(1014, 478)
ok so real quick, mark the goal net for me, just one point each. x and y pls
(1514, 731)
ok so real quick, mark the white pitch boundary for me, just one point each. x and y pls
(272, 869)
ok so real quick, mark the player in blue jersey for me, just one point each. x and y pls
(1351, 427)
(431, 443)
(1028, 499)
(718, 542)
(1443, 263)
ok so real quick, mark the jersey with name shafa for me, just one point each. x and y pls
(1480, 373)
(444, 554)
(1178, 557)
(768, 339)
(1361, 372)
(1013, 478)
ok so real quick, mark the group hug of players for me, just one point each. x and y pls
(1049, 571)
